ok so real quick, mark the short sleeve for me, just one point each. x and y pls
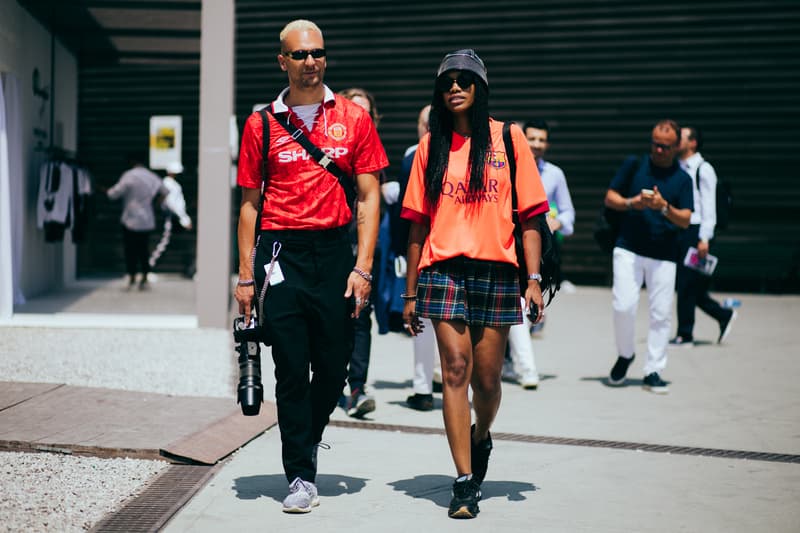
(249, 168)
(415, 206)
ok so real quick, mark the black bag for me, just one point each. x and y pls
(550, 269)
(606, 228)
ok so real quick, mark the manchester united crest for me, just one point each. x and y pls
(337, 131)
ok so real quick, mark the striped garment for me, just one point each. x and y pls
(480, 293)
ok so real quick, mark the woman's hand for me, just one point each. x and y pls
(411, 321)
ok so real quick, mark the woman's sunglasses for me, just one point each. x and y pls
(464, 79)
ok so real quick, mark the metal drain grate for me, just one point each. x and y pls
(160, 500)
(591, 443)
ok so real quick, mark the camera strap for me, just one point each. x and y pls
(276, 249)
(316, 152)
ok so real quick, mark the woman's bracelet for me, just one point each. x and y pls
(363, 274)
(245, 282)
(408, 296)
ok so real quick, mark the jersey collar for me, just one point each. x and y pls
(278, 105)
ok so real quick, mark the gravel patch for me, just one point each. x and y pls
(51, 492)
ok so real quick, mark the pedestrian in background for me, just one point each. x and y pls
(314, 289)
(358, 403)
(138, 188)
(655, 197)
(692, 286)
(462, 264)
(425, 351)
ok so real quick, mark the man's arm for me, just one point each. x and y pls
(248, 213)
(368, 215)
(617, 202)
(656, 202)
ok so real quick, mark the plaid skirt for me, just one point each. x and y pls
(480, 293)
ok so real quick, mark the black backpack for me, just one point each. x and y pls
(550, 269)
(723, 198)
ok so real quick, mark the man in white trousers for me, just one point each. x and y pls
(654, 196)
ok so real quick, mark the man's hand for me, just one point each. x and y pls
(245, 295)
(359, 288)
(554, 224)
(702, 249)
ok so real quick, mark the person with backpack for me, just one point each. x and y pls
(462, 264)
(654, 197)
(691, 285)
(295, 256)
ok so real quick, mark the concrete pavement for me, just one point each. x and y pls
(742, 395)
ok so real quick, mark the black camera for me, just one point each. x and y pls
(250, 392)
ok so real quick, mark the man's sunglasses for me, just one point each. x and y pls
(464, 79)
(664, 147)
(301, 55)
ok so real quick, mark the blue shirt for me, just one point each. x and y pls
(648, 232)
(555, 185)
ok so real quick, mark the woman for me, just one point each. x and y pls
(462, 270)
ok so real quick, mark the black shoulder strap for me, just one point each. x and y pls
(322, 158)
(512, 164)
(264, 152)
(697, 177)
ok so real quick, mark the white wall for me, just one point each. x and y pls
(25, 46)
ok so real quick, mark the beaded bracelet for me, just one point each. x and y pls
(245, 282)
(408, 296)
(363, 274)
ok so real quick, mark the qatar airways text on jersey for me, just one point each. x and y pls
(289, 156)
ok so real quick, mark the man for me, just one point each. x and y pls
(655, 196)
(692, 286)
(561, 220)
(138, 188)
(313, 290)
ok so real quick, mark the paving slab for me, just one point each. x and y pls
(115, 423)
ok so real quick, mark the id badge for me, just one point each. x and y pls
(274, 272)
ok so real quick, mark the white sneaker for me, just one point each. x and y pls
(530, 381)
(302, 497)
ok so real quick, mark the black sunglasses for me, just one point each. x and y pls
(301, 55)
(464, 79)
(664, 147)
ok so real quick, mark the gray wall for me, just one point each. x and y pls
(24, 46)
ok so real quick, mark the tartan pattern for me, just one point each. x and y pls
(480, 293)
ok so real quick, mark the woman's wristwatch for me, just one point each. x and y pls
(535, 277)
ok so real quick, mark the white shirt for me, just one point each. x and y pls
(175, 201)
(705, 197)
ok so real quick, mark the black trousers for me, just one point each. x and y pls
(359, 362)
(692, 288)
(308, 320)
(136, 253)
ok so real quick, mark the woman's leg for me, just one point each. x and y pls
(455, 352)
(487, 365)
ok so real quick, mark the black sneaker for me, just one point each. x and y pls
(725, 326)
(617, 376)
(681, 342)
(654, 383)
(437, 386)
(480, 456)
(420, 402)
(466, 495)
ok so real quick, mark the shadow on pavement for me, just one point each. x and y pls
(382, 384)
(437, 488)
(275, 486)
(629, 382)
